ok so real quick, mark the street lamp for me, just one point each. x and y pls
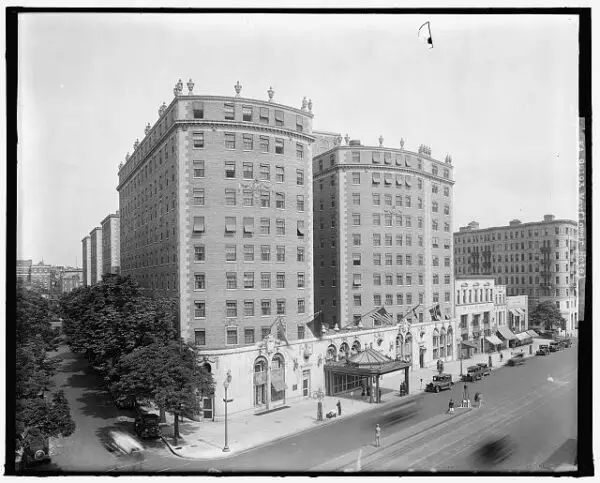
(226, 383)
(460, 355)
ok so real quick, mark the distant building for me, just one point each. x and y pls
(111, 256)
(96, 255)
(537, 259)
(86, 254)
(324, 141)
(69, 279)
(42, 276)
(24, 271)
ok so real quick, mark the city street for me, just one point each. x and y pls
(538, 415)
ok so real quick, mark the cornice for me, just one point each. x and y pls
(385, 167)
(515, 227)
(389, 150)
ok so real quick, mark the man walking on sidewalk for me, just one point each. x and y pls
(377, 436)
(451, 406)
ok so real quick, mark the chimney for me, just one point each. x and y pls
(514, 222)
(548, 217)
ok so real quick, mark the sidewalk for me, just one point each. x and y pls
(206, 439)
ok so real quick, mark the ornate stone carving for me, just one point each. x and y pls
(304, 103)
(162, 109)
(448, 159)
(347, 139)
(310, 104)
(147, 129)
(127, 157)
(179, 86)
(190, 86)
(238, 89)
(136, 144)
(426, 150)
(338, 140)
(271, 93)
(401, 143)
(380, 141)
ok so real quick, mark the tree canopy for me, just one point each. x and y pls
(547, 315)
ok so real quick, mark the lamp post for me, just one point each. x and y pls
(226, 383)
(460, 355)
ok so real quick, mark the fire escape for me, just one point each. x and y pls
(546, 274)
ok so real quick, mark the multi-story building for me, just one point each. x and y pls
(42, 276)
(537, 259)
(69, 279)
(111, 255)
(86, 253)
(382, 228)
(488, 319)
(324, 141)
(24, 271)
(96, 255)
(215, 209)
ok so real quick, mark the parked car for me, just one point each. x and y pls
(486, 370)
(439, 382)
(124, 402)
(565, 343)
(36, 450)
(474, 373)
(555, 346)
(517, 359)
(147, 426)
(543, 350)
(123, 443)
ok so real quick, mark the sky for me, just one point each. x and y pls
(497, 93)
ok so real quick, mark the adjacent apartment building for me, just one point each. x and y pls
(537, 259)
(382, 229)
(86, 254)
(111, 248)
(24, 271)
(215, 209)
(96, 255)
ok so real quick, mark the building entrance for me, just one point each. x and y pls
(306, 383)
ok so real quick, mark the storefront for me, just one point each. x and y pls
(493, 343)
(505, 334)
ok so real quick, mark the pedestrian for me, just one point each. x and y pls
(476, 398)
(451, 406)
(421, 383)
(377, 435)
(339, 406)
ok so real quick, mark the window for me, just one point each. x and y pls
(198, 227)
(388, 239)
(280, 280)
(356, 259)
(279, 200)
(301, 309)
(230, 225)
(198, 139)
(355, 178)
(356, 198)
(199, 337)
(376, 158)
(198, 109)
(199, 308)
(264, 115)
(278, 146)
(249, 331)
(356, 219)
(376, 178)
(446, 209)
(231, 278)
(376, 239)
(377, 299)
(232, 335)
(278, 117)
(199, 281)
(376, 199)
(434, 187)
(248, 279)
(248, 253)
(265, 226)
(230, 169)
(376, 258)
(300, 254)
(376, 219)
(388, 219)
(280, 226)
(248, 170)
(419, 183)
(434, 225)
(356, 300)
(280, 306)
(229, 112)
(198, 196)
(299, 150)
(408, 221)
(279, 174)
(230, 253)
(420, 260)
(376, 279)
(388, 259)
(399, 240)
(198, 169)
(388, 200)
(356, 280)
(248, 142)
(408, 259)
(407, 201)
(229, 140)
(299, 177)
(229, 197)
(265, 199)
(301, 280)
(300, 202)
(280, 253)
(199, 253)
(265, 280)
(356, 241)
(447, 229)
(434, 207)
(263, 144)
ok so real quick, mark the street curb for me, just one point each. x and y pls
(281, 438)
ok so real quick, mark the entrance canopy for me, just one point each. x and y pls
(532, 333)
(523, 336)
(367, 363)
(492, 339)
(506, 333)
(467, 344)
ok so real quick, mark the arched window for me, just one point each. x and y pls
(277, 378)
(260, 381)
(449, 341)
(344, 350)
(436, 343)
(408, 346)
(399, 346)
(355, 348)
(331, 353)
(443, 342)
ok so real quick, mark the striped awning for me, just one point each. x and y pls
(506, 333)
(523, 336)
(492, 339)
(469, 344)
(532, 333)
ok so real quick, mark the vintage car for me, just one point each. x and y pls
(543, 350)
(474, 373)
(439, 382)
(565, 343)
(555, 346)
(486, 370)
(517, 359)
(147, 426)
(35, 450)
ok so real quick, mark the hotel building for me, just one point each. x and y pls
(111, 255)
(96, 255)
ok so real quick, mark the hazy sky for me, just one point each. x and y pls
(499, 93)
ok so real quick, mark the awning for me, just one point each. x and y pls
(376, 177)
(468, 344)
(523, 336)
(521, 312)
(492, 339)
(388, 178)
(407, 180)
(278, 385)
(399, 180)
(533, 333)
(514, 312)
(229, 227)
(407, 161)
(398, 162)
(198, 227)
(505, 333)
(248, 228)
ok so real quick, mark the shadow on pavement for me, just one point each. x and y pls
(97, 403)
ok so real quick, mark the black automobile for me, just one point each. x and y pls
(543, 350)
(439, 382)
(555, 347)
(474, 373)
(485, 369)
(147, 426)
(517, 359)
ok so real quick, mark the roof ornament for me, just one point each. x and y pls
(136, 144)
(147, 129)
(448, 159)
(402, 143)
(271, 93)
(238, 89)
(310, 104)
(347, 139)
(190, 86)
(304, 103)
(179, 86)
(338, 140)
(380, 141)
(162, 109)
(127, 157)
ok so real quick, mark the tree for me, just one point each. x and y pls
(547, 315)
(167, 374)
